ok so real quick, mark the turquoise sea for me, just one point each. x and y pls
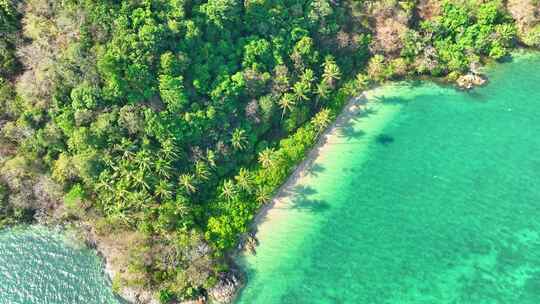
(431, 196)
(42, 266)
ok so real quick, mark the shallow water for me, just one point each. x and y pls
(431, 198)
(41, 266)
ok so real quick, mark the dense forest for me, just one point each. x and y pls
(164, 125)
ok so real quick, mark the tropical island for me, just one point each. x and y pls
(158, 129)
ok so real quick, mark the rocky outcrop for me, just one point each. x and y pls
(470, 81)
(389, 27)
(248, 242)
(526, 13)
(138, 296)
(225, 290)
(110, 248)
(201, 300)
(429, 9)
(111, 252)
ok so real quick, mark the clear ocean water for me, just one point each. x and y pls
(432, 196)
(42, 266)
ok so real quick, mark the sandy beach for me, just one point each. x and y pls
(357, 113)
(272, 210)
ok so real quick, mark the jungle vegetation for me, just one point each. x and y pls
(174, 121)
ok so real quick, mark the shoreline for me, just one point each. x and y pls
(352, 108)
(317, 254)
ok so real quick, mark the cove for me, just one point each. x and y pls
(430, 196)
(42, 266)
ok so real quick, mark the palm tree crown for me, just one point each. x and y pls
(331, 71)
(266, 157)
(243, 180)
(186, 181)
(228, 190)
(239, 139)
(287, 103)
(322, 119)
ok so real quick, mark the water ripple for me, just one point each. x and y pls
(39, 266)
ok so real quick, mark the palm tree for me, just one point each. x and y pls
(110, 162)
(266, 157)
(140, 180)
(243, 180)
(362, 81)
(331, 71)
(163, 167)
(301, 89)
(168, 150)
(263, 195)
(163, 190)
(127, 154)
(322, 91)
(126, 175)
(239, 139)
(186, 181)
(321, 119)
(182, 209)
(287, 103)
(103, 184)
(137, 199)
(201, 170)
(228, 190)
(183, 205)
(121, 193)
(125, 147)
(211, 157)
(308, 77)
(142, 160)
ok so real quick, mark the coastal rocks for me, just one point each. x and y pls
(112, 248)
(249, 243)
(201, 300)
(226, 288)
(137, 296)
(527, 17)
(202, 249)
(112, 252)
(470, 80)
